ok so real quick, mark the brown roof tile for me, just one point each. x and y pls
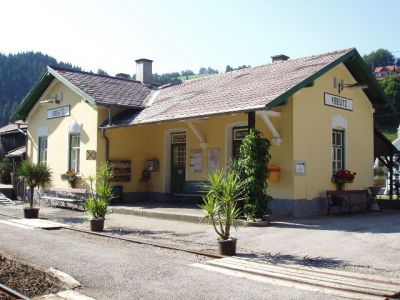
(241, 90)
(107, 90)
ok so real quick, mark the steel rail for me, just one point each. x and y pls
(12, 293)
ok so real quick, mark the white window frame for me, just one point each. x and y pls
(74, 151)
(42, 151)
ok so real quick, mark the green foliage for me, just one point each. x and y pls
(230, 69)
(220, 202)
(96, 207)
(379, 58)
(5, 170)
(34, 175)
(98, 201)
(18, 73)
(391, 87)
(254, 159)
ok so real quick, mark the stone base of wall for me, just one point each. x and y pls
(281, 208)
(299, 207)
(134, 197)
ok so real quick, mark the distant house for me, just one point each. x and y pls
(317, 111)
(386, 71)
(12, 138)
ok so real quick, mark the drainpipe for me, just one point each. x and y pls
(103, 132)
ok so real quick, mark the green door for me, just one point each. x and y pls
(178, 161)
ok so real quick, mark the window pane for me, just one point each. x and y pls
(74, 152)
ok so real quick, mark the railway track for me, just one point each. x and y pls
(7, 293)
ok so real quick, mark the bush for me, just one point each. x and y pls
(5, 171)
(253, 165)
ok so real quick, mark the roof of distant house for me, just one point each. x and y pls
(12, 128)
(385, 69)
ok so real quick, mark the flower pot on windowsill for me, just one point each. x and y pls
(340, 182)
(72, 182)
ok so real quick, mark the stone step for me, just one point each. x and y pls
(345, 284)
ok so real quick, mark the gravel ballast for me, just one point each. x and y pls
(26, 279)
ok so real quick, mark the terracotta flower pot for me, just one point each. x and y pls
(227, 247)
(31, 213)
(97, 224)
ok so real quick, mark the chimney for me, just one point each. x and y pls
(280, 57)
(144, 71)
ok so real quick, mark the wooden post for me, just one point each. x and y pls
(251, 120)
(391, 166)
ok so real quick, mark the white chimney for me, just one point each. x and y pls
(280, 57)
(144, 71)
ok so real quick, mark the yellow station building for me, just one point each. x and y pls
(317, 111)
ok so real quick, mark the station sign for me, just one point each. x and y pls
(337, 101)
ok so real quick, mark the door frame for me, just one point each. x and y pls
(167, 157)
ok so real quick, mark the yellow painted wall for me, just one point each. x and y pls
(58, 137)
(312, 139)
(141, 143)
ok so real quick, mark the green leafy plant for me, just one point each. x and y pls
(34, 175)
(225, 189)
(98, 201)
(5, 171)
(253, 165)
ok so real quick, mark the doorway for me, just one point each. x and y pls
(178, 161)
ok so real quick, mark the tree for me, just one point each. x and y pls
(34, 175)
(101, 72)
(391, 87)
(379, 58)
(187, 73)
(242, 67)
(228, 69)
(398, 62)
(212, 71)
(203, 70)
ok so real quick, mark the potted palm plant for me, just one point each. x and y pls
(34, 175)
(220, 205)
(97, 203)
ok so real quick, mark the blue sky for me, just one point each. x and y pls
(179, 34)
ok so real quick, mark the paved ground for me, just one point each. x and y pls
(365, 243)
(112, 269)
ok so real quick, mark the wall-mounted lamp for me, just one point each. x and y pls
(353, 86)
(55, 99)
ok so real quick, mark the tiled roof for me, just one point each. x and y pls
(241, 90)
(107, 90)
(10, 128)
(385, 68)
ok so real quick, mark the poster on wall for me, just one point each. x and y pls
(195, 161)
(214, 159)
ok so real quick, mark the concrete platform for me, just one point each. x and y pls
(331, 282)
(38, 223)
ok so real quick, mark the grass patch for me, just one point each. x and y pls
(183, 78)
(391, 135)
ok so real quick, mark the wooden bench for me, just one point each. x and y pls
(63, 197)
(348, 199)
(192, 190)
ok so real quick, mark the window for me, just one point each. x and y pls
(338, 154)
(74, 145)
(238, 134)
(43, 149)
